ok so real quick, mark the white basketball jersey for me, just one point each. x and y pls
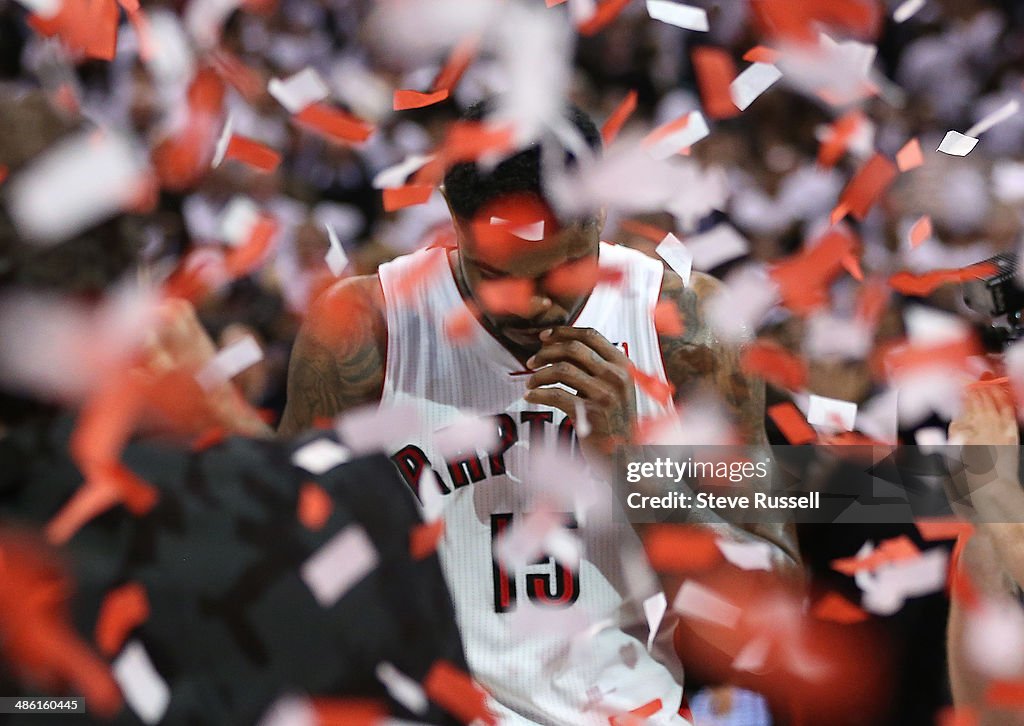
(535, 675)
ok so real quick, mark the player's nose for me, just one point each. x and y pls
(539, 305)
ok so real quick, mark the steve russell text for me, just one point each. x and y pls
(733, 471)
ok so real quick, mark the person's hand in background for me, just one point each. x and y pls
(987, 431)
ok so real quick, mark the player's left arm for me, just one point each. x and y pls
(699, 359)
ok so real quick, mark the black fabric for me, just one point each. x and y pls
(232, 624)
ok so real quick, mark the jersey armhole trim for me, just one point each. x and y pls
(651, 317)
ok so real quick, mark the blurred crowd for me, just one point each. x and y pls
(945, 68)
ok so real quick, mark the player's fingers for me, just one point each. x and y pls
(568, 374)
(590, 338)
(584, 357)
(555, 398)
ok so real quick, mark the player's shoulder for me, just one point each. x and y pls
(352, 307)
(700, 286)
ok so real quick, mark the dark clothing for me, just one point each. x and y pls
(232, 624)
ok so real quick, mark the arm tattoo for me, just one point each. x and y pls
(698, 359)
(338, 359)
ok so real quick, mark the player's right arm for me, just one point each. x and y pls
(337, 362)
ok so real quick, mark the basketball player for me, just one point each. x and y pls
(382, 338)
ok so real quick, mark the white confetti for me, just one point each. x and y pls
(928, 326)
(679, 15)
(467, 434)
(696, 129)
(737, 310)
(677, 255)
(721, 244)
(907, 10)
(696, 601)
(229, 362)
(290, 710)
(374, 428)
(752, 82)
(654, 608)
(888, 587)
(432, 499)
(831, 413)
(43, 8)
(74, 185)
(299, 90)
(402, 688)
(994, 639)
(957, 144)
(336, 258)
(143, 687)
(524, 542)
(930, 439)
(223, 140)
(237, 220)
(753, 655)
(1010, 108)
(747, 555)
(320, 456)
(396, 175)
(339, 564)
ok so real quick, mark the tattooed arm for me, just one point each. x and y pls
(338, 359)
(698, 359)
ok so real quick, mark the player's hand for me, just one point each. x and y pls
(583, 360)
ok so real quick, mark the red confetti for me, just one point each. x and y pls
(447, 78)
(407, 196)
(926, 283)
(638, 716)
(455, 691)
(872, 299)
(87, 29)
(459, 326)
(334, 123)
(248, 256)
(424, 537)
(837, 609)
(182, 160)
(921, 231)
(573, 278)
(667, 320)
(209, 438)
(899, 358)
(349, 712)
(910, 156)
(799, 21)
(500, 297)
(618, 118)
(1005, 694)
(315, 506)
(804, 278)
(666, 130)
(933, 530)
(842, 131)
(774, 364)
(851, 263)
(681, 549)
(957, 716)
(3, 173)
(715, 71)
(897, 549)
(241, 77)
(404, 100)
(122, 610)
(606, 13)
(252, 153)
(40, 642)
(761, 54)
(660, 391)
(961, 586)
(792, 423)
(867, 186)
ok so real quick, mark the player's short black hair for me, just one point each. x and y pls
(469, 188)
